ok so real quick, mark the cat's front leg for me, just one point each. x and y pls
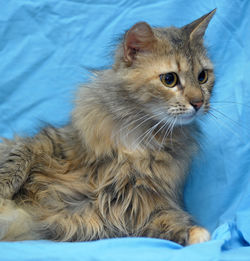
(15, 163)
(176, 225)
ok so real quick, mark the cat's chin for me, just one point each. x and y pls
(185, 119)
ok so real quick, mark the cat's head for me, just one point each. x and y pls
(161, 78)
(167, 69)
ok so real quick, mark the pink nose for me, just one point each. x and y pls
(196, 104)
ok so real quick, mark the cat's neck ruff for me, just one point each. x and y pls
(101, 133)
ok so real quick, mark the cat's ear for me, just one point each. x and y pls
(139, 38)
(197, 28)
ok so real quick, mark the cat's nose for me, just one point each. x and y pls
(196, 104)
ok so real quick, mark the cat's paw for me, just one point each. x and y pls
(14, 167)
(198, 235)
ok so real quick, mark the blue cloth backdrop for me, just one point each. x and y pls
(45, 48)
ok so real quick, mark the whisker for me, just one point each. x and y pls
(212, 115)
(147, 119)
(223, 124)
(233, 121)
(171, 122)
(141, 123)
(162, 127)
(171, 130)
(228, 103)
(165, 134)
(147, 133)
(133, 122)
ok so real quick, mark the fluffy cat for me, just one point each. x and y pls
(118, 168)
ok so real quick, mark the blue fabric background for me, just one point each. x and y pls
(45, 48)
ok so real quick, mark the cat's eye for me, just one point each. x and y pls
(203, 76)
(169, 79)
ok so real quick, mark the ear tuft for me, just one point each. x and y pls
(139, 38)
(197, 28)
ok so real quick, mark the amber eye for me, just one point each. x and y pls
(169, 79)
(203, 76)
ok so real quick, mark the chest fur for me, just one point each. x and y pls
(132, 185)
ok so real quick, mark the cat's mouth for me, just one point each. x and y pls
(189, 117)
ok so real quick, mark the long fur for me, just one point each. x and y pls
(119, 167)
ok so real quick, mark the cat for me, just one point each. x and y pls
(118, 168)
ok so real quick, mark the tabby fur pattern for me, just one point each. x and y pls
(118, 168)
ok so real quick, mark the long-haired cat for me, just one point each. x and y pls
(118, 168)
